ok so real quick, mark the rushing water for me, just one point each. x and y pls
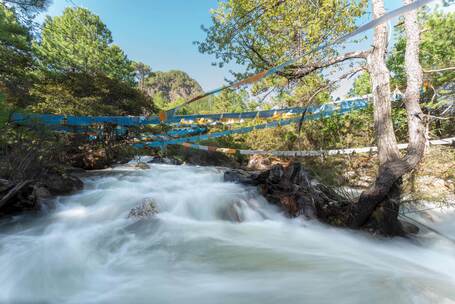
(88, 251)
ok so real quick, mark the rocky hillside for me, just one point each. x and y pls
(172, 85)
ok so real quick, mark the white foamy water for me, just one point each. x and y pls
(88, 251)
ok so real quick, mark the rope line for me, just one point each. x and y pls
(70, 120)
(311, 153)
(323, 111)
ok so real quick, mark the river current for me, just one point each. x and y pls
(211, 242)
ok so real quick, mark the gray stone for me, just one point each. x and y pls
(146, 209)
(62, 184)
(409, 228)
(142, 166)
(41, 193)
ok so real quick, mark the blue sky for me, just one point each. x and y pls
(160, 33)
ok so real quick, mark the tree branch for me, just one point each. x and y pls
(440, 70)
(307, 69)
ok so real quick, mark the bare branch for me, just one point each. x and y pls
(440, 70)
(307, 69)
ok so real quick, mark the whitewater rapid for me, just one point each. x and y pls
(86, 250)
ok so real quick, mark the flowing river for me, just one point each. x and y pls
(87, 250)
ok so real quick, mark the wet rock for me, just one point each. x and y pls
(142, 166)
(32, 195)
(146, 209)
(232, 213)
(276, 173)
(165, 160)
(240, 176)
(409, 228)
(41, 193)
(18, 198)
(62, 184)
(156, 160)
(294, 190)
(205, 158)
(171, 161)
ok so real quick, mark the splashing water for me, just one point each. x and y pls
(212, 242)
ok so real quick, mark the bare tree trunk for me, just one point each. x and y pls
(388, 151)
(380, 78)
(386, 190)
(414, 76)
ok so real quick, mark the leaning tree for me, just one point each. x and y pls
(261, 33)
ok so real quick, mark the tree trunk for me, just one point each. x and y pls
(414, 76)
(380, 78)
(386, 189)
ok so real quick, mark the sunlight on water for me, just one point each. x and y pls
(196, 251)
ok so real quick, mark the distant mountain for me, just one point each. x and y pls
(172, 85)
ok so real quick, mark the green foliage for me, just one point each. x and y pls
(27, 153)
(354, 129)
(78, 41)
(16, 61)
(160, 101)
(227, 101)
(5, 110)
(312, 89)
(437, 50)
(82, 72)
(171, 86)
(82, 94)
(259, 34)
(27, 9)
(141, 72)
(361, 86)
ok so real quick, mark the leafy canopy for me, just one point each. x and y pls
(141, 72)
(437, 50)
(361, 85)
(259, 34)
(27, 10)
(85, 94)
(16, 61)
(78, 41)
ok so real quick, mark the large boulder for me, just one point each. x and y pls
(23, 196)
(146, 209)
(206, 158)
(165, 160)
(239, 176)
(31, 195)
(62, 184)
